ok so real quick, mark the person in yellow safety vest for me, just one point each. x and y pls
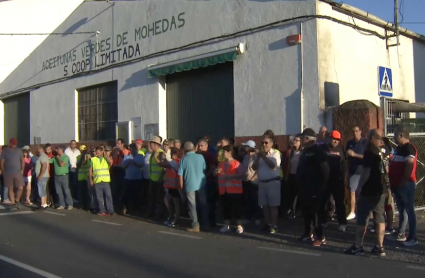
(156, 176)
(140, 148)
(223, 142)
(100, 178)
(83, 166)
(171, 185)
(230, 190)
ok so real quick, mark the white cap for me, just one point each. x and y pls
(26, 147)
(249, 143)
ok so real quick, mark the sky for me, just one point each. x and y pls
(413, 11)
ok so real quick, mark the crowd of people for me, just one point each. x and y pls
(249, 183)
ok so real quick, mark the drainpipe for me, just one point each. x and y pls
(302, 79)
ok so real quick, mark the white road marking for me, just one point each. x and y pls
(28, 267)
(176, 234)
(55, 213)
(2, 207)
(104, 222)
(15, 213)
(291, 251)
(415, 267)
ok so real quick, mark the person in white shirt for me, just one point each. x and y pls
(73, 152)
(267, 165)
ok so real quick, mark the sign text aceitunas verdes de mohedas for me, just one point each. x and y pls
(99, 54)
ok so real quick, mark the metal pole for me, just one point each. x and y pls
(396, 20)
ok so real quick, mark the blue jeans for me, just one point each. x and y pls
(199, 196)
(93, 197)
(73, 184)
(62, 188)
(102, 189)
(83, 197)
(405, 200)
(42, 187)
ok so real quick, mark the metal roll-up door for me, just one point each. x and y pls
(201, 102)
(17, 119)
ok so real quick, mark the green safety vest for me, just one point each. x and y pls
(155, 170)
(100, 170)
(83, 172)
(142, 151)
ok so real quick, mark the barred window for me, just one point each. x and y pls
(97, 112)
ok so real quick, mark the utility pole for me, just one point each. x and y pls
(396, 21)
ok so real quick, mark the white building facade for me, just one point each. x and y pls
(184, 69)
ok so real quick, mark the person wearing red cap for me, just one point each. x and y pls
(336, 188)
(12, 166)
(139, 144)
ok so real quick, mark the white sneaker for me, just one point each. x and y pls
(239, 230)
(342, 228)
(225, 229)
(351, 216)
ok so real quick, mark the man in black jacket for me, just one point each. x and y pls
(373, 191)
(312, 174)
(336, 160)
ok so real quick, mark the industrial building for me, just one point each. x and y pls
(183, 69)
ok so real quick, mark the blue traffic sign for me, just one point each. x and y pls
(385, 82)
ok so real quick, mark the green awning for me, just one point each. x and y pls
(185, 65)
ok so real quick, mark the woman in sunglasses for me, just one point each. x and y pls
(230, 189)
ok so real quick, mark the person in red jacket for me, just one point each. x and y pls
(230, 189)
(172, 186)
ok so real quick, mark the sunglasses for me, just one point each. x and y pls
(265, 143)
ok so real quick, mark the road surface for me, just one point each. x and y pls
(75, 243)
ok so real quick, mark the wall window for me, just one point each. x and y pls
(97, 112)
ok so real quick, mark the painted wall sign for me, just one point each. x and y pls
(112, 50)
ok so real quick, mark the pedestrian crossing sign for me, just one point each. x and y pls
(385, 82)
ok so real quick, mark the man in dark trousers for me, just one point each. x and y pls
(373, 193)
(336, 160)
(312, 174)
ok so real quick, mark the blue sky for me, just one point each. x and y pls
(413, 11)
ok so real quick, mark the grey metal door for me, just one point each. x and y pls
(200, 102)
(17, 119)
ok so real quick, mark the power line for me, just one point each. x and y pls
(415, 22)
(45, 34)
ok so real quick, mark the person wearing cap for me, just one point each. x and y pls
(267, 165)
(156, 176)
(100, 178)
(86, 193)
(61, 165)
(132, 164)
(336, 160)
(41, 170)
(250, 183)
(294, 203)
(140, 149)
(12, 166)
(312, 175)
(373, 193)
(355, 149)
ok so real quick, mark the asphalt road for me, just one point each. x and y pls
(78, 244)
